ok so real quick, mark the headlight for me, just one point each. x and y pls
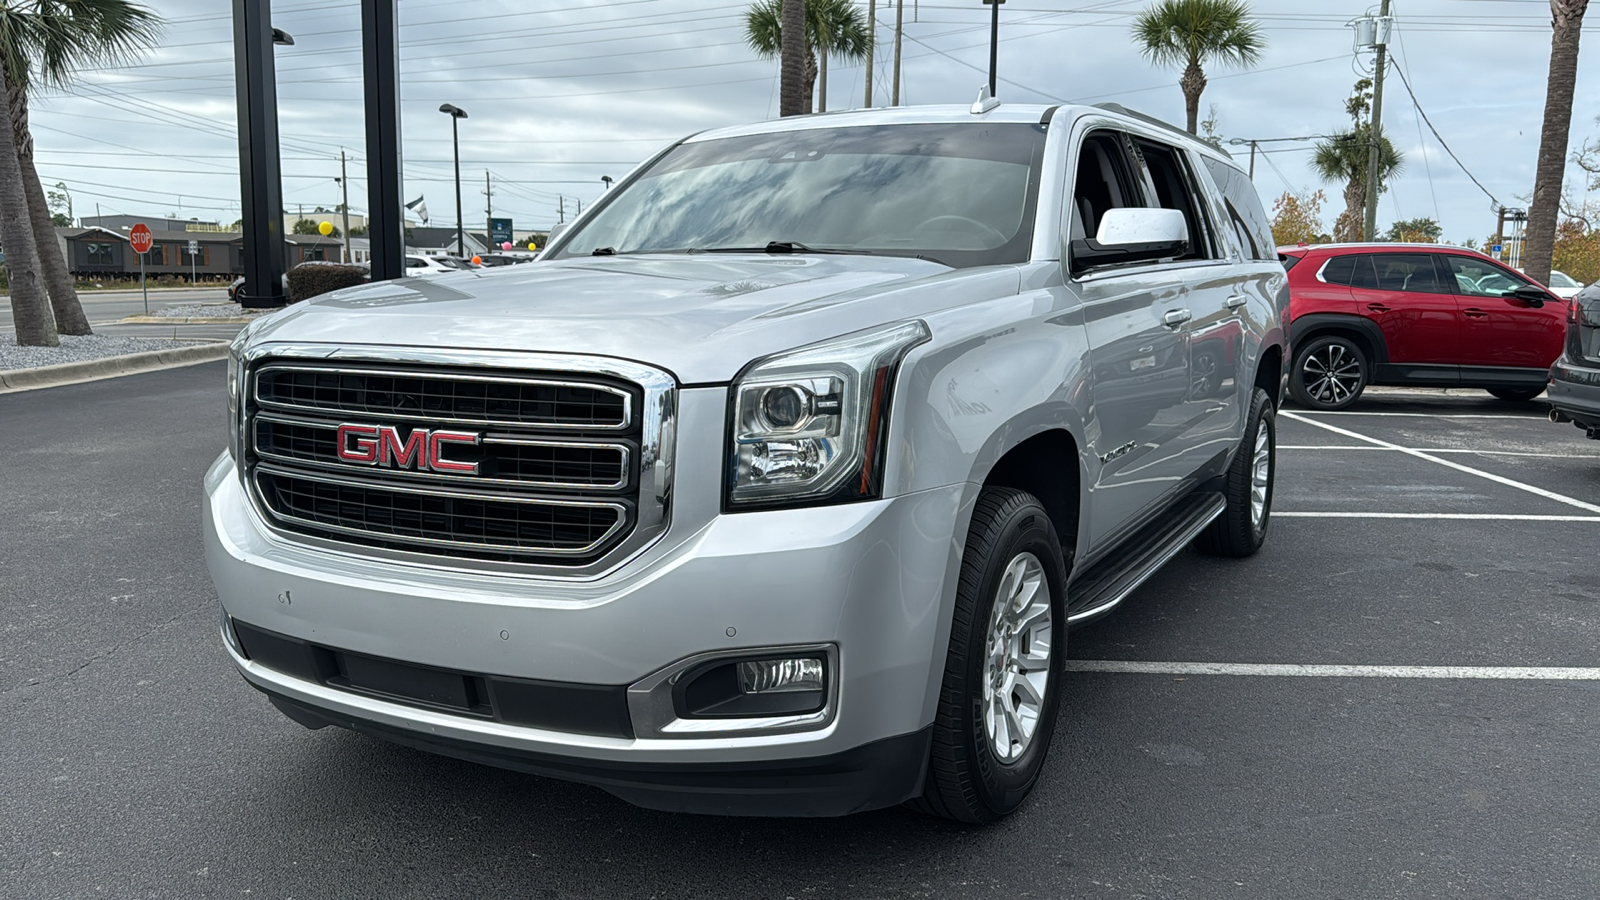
(235, 389)
(809, 425)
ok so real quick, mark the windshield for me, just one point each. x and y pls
(450, 262)
(1563, 280)
(960, 194)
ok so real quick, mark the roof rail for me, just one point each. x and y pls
(1119, 109)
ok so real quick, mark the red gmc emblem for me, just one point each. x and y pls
(422, 449)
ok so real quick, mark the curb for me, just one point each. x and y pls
(185, 320)
(110, 367)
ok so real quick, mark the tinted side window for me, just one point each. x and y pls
(1174, 189)
(1480, 278)
(1341, 269)
(1288, 261)
(1104, 182)
(1244, 209)
(1411, 272)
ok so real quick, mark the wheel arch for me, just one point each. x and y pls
(1365, 332)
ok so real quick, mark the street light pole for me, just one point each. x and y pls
(344, 185)
(456, 113)
(994, 42)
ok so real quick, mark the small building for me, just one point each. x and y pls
(442, 242)
(104, 253)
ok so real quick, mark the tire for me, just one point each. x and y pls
(1242, 527)
(1010, 545)
(1516, 395)
(1337, 373)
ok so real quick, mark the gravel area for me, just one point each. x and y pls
(207, 311)
(79, 349)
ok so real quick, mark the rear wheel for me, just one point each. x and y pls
(1516, 395)
(1329, 373)
(1242, 527)
(998, 701)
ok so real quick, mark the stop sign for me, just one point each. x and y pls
(139, 237)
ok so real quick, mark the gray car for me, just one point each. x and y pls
(1574, 391)
(775, 487)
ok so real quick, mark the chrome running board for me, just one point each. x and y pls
(1098, 589)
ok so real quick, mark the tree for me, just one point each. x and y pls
(311, 226)
(834, 28)
(1297, 219)
(1345, 156)
(1415, 231)
(791, 52)
(42, 45)
(1538, 239)
(1576, 251)
(1193, 33)
(30, 308)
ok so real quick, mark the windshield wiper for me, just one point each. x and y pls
(797, 247)
(603, 251)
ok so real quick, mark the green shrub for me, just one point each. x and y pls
(306, 280)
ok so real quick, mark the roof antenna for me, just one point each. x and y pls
(984, 103)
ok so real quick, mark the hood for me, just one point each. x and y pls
(701, 317)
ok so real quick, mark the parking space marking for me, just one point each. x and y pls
(1504, 673)
(1348, 412)
(1469, 517)
(1498, 479)
(1343, 447)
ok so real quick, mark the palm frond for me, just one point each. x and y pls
(48, 41)
(1195, 32)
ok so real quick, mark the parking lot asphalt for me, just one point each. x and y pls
(1431, 530)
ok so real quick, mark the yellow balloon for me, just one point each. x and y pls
(325, 229)
(532, 246)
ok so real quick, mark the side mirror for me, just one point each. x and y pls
(1133, 235)
(1529, 294)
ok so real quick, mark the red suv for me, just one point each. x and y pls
(1415, 314)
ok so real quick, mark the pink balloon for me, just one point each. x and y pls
(505, 245)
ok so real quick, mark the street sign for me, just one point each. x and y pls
(194, 247)
(499, 232)
(139, 237)
(1495, 249)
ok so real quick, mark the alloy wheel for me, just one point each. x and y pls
(1260, 476)
(1332, 374)
(1017, 670)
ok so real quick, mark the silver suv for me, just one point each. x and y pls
(776, 486)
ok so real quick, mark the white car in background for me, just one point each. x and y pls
(1563, 285)
(427, 266)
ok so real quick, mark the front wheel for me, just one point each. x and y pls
(1242, 527)
(1329, 373)
(998, 701)
(1516, 395)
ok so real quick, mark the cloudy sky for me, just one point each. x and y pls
(561, 92)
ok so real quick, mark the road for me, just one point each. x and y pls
(105, 308)
(137, 763)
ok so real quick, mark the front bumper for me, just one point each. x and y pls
(872, 581)
(1574, 393)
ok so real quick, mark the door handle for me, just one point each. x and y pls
(1475, 313)
(1377, 307)
(1176, 317)
(1236, 301)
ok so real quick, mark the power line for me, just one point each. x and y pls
(1407, 82)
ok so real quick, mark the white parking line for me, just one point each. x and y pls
(1469, 517)
(1356, 412)
(1511, 673)
(1498, 479)
(1343, 447)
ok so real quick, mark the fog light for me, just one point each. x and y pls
(780, 676)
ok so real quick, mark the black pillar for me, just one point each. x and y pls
(380, 58)
(260, 176)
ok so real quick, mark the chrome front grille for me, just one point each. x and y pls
(565, 468)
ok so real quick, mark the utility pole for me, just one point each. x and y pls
(1369, 226)
(872, 46)
(488, 210)
(1500, 232)
(344, 184)
(1252, 160)
(899, 27)
(561, 209)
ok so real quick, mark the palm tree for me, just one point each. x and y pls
(833, 28)
(1192, 33)
(1538, 240)
(791, 49)
(30, 310)
(1344, 157)
(42, 44)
